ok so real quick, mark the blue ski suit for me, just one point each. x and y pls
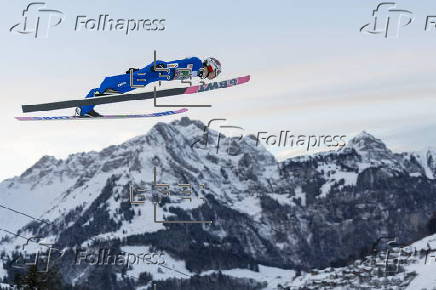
(120, 84)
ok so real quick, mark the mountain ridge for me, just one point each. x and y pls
(302, 213)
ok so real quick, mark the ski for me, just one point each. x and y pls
(140, 96)
(128, 116)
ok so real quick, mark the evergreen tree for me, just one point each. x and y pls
(33, 279)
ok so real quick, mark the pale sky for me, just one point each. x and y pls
(312, 72)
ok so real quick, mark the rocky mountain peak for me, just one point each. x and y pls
(365, 142)
(371, 149)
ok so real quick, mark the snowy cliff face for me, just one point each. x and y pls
(267, 217)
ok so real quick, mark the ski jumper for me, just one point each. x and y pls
(166, 71)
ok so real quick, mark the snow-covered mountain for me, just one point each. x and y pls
(271, 221)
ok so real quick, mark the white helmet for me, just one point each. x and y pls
(212, 65)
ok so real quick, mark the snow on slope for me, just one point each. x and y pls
(427, 161)
(271, 275)
(31, 196)
(416, 271)
(53, 188)
(425, 267)
(57, 187)
(158, 271)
